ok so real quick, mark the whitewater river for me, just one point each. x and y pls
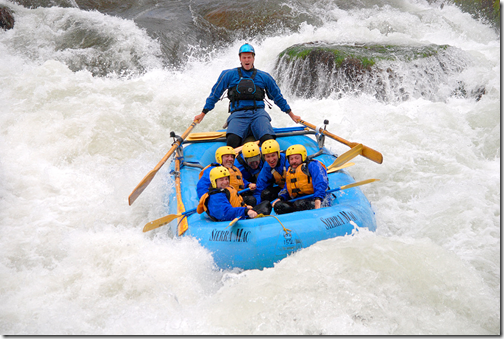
(82, 123)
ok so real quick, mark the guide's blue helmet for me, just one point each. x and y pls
(246, 48)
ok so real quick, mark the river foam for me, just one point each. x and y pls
(73, 146)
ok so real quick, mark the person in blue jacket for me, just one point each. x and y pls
(222, 202)
(225, 156)
(247, 88)
(271, 179)
(249, 161)
(304, 177)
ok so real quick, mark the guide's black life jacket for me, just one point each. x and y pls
(245, 90)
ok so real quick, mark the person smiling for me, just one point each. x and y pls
(271, 179)
(247, 87)
(225, 156)
(222, 201)
(305, 176)
(249, 161)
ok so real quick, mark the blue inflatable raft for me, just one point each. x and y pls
(261, 242)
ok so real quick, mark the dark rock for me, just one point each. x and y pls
(6, 18)
(242, 20)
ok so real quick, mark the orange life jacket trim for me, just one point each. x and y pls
(236, 178)
(231, 194)
(279, 178)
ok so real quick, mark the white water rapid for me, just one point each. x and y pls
(74, 260)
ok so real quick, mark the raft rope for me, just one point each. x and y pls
(286, 230)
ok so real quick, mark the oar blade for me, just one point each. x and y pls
(335, 169)
(367, 152)
(372, 155)
(141, 186)
(160, 222)
(205, 136)
(347, 156)
(359, 183)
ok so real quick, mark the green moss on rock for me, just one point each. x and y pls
(366, 55)
(320, 69)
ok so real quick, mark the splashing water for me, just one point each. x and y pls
(87, 107)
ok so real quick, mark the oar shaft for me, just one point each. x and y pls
(148, 178)
(344, 187)
(329, 134)
(367, 152)
(175, 146)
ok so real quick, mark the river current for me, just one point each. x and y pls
(88, 99)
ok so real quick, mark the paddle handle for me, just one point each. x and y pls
(329, 134)
(175, 145)
(367, 152)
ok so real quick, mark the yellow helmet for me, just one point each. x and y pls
(297, 149)
(217, 173)
(223, 151)
(270, 146)
(250, 149)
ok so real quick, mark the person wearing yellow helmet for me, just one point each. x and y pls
(247, 87)
(304, 176)
(271, 179)
(221, 201)
(249, 161)
(225, 156)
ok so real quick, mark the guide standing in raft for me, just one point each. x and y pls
(247, 88)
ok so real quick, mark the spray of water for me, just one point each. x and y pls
(76, 138)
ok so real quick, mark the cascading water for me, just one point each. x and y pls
(88, 101)
(399, 74)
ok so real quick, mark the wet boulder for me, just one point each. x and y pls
(6, 18)
(232, 20)
(388, 72)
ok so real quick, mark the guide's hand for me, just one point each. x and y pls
(294, 117)
(199, 117)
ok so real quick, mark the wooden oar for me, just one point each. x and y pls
(168, 218)
(165, 220)
(367, 152)
(344, 187)
(335, 169)
(347, 156)
(148, 178)
(233, 222)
